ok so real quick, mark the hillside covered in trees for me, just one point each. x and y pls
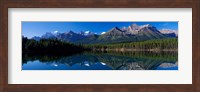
(49, 46)
(149, 45)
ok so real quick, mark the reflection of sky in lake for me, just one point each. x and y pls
(107, 61)
(168, 68)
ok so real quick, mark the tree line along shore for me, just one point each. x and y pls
(54, 45)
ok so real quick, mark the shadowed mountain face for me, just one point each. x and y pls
(89, 39)
(102, 61)
(70, 36)
(67, 36)
(115, 35)
(37, 38)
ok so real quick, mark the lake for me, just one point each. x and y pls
(128, 60)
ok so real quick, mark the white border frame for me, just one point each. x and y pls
(182, 76)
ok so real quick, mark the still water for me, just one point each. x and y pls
(102, 61)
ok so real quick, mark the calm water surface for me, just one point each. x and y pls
(102, 61)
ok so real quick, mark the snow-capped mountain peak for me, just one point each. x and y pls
(169, 31)
(134, 25)
(147, 25)
(48, 35)
(123, 28)
(86, 33)
(55, 32)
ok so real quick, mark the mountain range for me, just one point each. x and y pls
(169, 32)
(131, 33)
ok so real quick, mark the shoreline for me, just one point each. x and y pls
(122, 50)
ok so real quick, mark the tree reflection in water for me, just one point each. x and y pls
(128, 60)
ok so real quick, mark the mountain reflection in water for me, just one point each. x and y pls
(102, 61)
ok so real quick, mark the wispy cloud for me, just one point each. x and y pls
(164, 24)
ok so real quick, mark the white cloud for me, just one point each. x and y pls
(87, 32)
(103, 32)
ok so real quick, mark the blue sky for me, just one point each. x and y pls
(30, 29)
